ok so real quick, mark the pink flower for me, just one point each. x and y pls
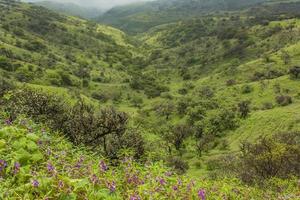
(201, 194)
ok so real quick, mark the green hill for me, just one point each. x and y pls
(203, 87)
(140, 17)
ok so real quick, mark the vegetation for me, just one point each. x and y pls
(202, 105)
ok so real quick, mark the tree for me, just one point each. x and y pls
(203, 143)
(177, 136)
(244, 108)
(285, 56)
(165, 109)
(295, 72)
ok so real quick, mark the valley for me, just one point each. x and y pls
(204, 89)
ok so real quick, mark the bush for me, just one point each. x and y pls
(5, 64)
(244, 109)
(5, 85)
(284, 100)
(82, 123)
(246, 89)
(178, 164)
(276, 156)
(40, 106)
(295, 72)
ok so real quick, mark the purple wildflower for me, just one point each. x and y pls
(112, 187)
(201, 194)
(103, 166)
(175, 187)
(79, 162)
(162, 181)
(50, 167)
(17, 167)
(8, 122)
(135, 197)
(60, 184)
(3, 165)
(94, 179)
(35, 183)
(168, 173)
(48, 152)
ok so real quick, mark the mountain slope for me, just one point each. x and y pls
(137, 18)
(42, 47)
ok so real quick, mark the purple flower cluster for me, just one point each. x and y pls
(17, 167)
(60, 184)
(50, 168)
(79, 162)
(201, 194)
(3, 165)
(103, 166)
(135, 197)
(8, 122)
(112, 186)
(94, 179)
(35, 183)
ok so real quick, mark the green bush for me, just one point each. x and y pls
(246, 89)
(275, 156)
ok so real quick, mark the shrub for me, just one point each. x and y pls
(82, 123)
(295, 72)
(182, 91)
(36, 104)
(5, 86)
(244, 109)
(5, 64)
(275, 156)
(246, 89)
(178, 164)
(284, 100)
(182, 106)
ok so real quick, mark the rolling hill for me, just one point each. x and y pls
(191, 80)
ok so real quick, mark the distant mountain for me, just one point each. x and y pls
(139, 17)
(71, 9)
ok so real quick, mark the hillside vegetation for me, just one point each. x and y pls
(201, 103)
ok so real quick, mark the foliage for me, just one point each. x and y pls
(284, 100)
(276, 156)
(41, 160)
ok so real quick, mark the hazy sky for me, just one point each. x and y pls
(95, 3)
